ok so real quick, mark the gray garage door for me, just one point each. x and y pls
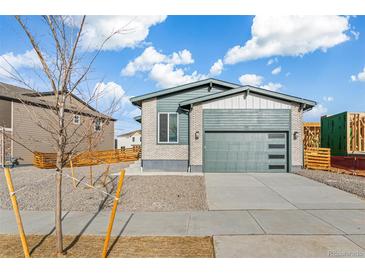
(245, 152)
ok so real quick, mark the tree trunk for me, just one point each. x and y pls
(59, 174)
(58, 210)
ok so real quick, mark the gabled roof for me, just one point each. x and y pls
(138, 99)
(232, 89)
(130, 133)
(307, 104)
(28, 96)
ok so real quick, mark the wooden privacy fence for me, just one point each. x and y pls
(357, 132)
(88, 158)
(312, 135)
(317, 158)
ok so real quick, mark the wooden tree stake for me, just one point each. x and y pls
(112, 214)
(106, 174)
(91, 175)
(16, 212)
(73, 174)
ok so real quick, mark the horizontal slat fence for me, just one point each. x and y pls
(88, 158)
(317, 158)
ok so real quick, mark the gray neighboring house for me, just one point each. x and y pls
(217, 126)
(21, 130)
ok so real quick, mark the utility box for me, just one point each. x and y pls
(344, 133)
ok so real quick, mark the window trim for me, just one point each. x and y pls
(73, 119)
(168, 128)
(101, 125)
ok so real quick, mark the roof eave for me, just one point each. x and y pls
(307, 103)
(138, 99)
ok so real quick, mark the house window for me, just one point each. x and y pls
(98, 125)
(168, 127)
(133, 138)
(77, 119)
(140, 139)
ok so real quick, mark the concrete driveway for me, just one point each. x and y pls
(274, 191)
(298, 217)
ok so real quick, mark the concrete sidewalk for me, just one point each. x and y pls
(205, 223)
(244, 233)
(195, 223)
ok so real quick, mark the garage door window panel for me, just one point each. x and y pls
(276, 146)
(276, 156)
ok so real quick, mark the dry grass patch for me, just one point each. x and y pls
(120, 247)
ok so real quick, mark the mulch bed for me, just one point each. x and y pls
(120, 247)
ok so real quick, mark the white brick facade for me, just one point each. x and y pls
(196, 145)
(150, 149)
(297, 144)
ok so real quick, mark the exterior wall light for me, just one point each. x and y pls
(295, 135)
(197, 135)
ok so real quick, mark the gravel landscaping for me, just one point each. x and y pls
(349, 183)
(36, 191)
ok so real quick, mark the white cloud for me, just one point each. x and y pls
(328, 98)
(272, 61)
(356, 34)
(359, 77)
(251, 79)
(257, 81)
(290, 36)
(108, 93)
(10, 62)
(134, 113)
(125, 113)
(151, 56)
(144, 62)
(316, 112)
(183, 57)
(131, 31)
(167, 75)
(217, 68)
(272, 86)
(276, 70)
(164, 69)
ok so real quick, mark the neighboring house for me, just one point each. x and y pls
(22, 109)
(216, 126)
(128, 140)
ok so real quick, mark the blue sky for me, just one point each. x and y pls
(318, 58)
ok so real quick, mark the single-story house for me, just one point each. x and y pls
(129, 139)
(217, 126)
(23, 112)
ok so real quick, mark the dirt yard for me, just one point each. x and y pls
(349, 183)
(35, 191)
(122, 247)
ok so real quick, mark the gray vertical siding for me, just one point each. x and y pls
(246, 119)
(170, 103)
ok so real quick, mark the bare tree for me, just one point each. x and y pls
(65, 70)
